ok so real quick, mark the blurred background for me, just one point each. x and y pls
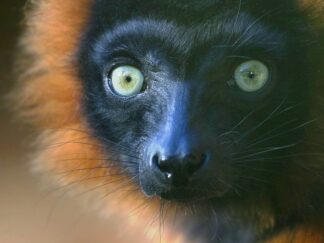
(29, 214)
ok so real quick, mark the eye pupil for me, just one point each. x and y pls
(251, 75)
(128, 79)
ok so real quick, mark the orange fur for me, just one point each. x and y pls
(301, 235)
(49, 97)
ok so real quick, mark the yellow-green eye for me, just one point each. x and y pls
(127, 80)
(251, 76)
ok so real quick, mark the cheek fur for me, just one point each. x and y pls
(65, 142)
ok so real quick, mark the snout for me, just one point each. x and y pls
(178, 170)
(173, 176)
(179, 155)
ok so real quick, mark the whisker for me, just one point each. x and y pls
(109, 159)
(236, 126)
(124, 184)
(243, 120)
(87, 179)
(256, 179)
(283, 157)
(257, 20)
(89, 169)
(238, 56)
(267, 151)
(161, 217)
(282, 133)
(253, 168)
(110, 150)
(262, 122)
(54, 145)
(106, 140)
(140, 208)
(103, 138)
(236, 20)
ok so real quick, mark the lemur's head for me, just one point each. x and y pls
(198, 101)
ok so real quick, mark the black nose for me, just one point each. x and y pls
(178, 170)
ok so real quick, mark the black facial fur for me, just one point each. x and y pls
(188, 52)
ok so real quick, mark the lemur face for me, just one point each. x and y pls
(200, 108)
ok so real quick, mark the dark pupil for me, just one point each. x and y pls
(128, 79)
(251, 75)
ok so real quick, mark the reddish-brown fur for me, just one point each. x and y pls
(49, 97)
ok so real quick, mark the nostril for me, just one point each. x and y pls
(178, 168)
(193, 162)
(156, 159)
(162, 165)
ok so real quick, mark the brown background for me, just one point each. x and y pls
(27, 213)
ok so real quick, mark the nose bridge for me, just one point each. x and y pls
(174, 136)
(174, 158)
